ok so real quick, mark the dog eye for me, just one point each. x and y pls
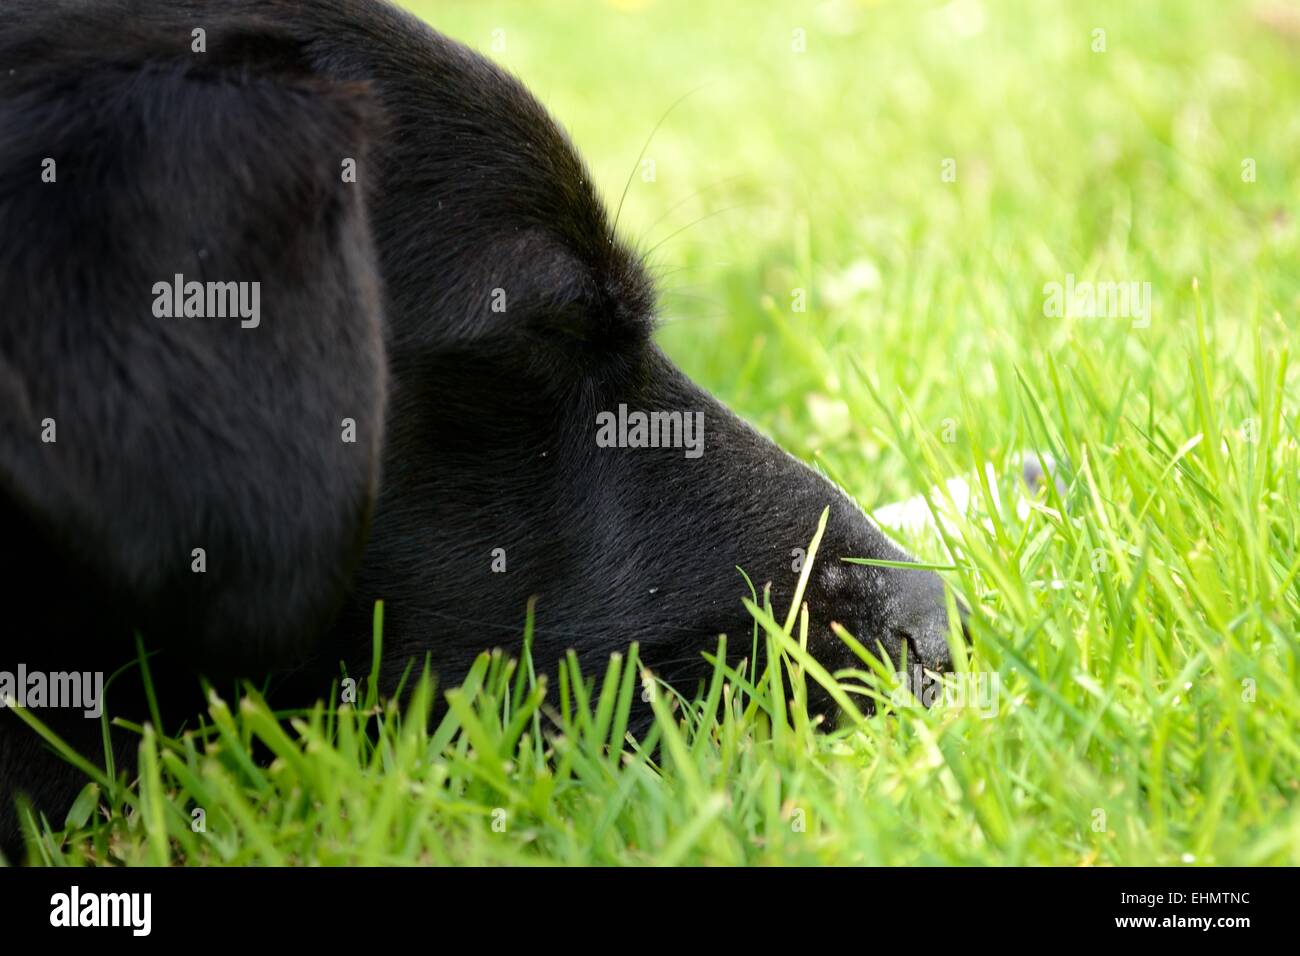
(573, 322)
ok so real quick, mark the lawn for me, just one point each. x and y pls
(859, 212)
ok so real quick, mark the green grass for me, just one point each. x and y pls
(1143, 627)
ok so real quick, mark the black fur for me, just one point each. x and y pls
(475, 428)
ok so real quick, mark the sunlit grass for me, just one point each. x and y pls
(1143, 625)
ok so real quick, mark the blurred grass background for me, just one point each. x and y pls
(1144, 626)
(822, 170)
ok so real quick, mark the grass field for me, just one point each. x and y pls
(919, 174)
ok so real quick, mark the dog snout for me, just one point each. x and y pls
(917, 623)
(903, 610)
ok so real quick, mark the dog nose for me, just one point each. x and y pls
(904, 610)
(918, 621)
(912, 624)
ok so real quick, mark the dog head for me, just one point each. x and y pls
(452, 399)
(538, 443)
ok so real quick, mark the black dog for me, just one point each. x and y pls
(305, 306)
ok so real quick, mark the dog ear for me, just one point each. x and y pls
(191, 360)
